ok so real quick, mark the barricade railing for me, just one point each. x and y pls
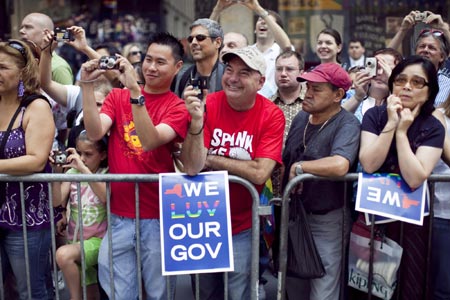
(281, 290)
(135, 178)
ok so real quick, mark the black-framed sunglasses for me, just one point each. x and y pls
(135, 53)
(19, 47)
(415, 82)
(199, 38)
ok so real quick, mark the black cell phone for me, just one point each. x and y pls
(62, 34)
(199, 84)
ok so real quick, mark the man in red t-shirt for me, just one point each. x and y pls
(143, 125)
(240, 131)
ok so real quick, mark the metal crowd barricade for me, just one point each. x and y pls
(136, 178)
(281, 291)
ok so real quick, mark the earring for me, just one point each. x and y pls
(20, 89)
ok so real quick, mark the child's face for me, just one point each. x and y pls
(89, 154)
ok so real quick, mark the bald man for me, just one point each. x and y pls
(32, 28)
(232, 40)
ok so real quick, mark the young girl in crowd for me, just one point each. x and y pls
(88, 158)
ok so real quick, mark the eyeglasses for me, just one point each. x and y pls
(415, 82)
(135, 53)
(434, 32)
(18, 46)
(199, 38)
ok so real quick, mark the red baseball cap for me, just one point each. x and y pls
(328, 72)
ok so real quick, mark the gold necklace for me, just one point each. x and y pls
(306, 128)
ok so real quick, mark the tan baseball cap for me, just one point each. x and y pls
(251, 57)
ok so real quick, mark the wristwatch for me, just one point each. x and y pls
(298, 168)
(139, 101)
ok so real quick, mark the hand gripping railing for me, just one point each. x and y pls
(136, 178)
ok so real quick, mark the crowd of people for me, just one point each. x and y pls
(129, 112)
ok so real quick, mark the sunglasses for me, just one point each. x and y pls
(18, 46)
(434, 32)
(415, 82)
(199, 38)
(135, 53)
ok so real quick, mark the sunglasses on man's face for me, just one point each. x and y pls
(198, 37)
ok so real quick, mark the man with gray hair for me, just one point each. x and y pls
(432, 42)
(205, 42)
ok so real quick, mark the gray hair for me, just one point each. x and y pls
(214, 28)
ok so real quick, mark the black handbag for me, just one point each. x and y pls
(303, 259)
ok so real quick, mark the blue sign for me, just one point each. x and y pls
(195, 223)
(389, 196)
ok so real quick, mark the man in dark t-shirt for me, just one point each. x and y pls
(323, 141)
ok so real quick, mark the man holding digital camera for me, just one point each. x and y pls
(143, 125)
(432, 42)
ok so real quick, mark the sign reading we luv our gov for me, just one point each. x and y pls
(195, 223)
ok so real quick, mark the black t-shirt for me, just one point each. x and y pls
(424, 131)
(339, 136)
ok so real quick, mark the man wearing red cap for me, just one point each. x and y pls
(323, 141)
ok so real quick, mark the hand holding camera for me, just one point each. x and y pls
(420, 16)
(108, 63)
(199, 85)
(63, 34)
(371, 66)
(59, 157)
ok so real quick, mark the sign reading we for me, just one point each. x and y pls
(195, 223)
(388, 195)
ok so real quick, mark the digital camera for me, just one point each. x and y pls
(108, 63)
(199, 84)
(419, 17)
(371, 66)
(63, 35)
(60, 157)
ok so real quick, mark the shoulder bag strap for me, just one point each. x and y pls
(8, 131)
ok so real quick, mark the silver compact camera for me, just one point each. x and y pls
(419, 17)
(108, 63)
(371, 66)
(60, 157)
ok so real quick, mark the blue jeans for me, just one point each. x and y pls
(13, 251)
(124, 260)
(212, 284)
(440, 259)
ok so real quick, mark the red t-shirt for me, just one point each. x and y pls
(126, 155)
(244, 135)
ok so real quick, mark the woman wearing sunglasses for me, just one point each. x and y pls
(416, 137)
(132, 52)
(26, 136)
